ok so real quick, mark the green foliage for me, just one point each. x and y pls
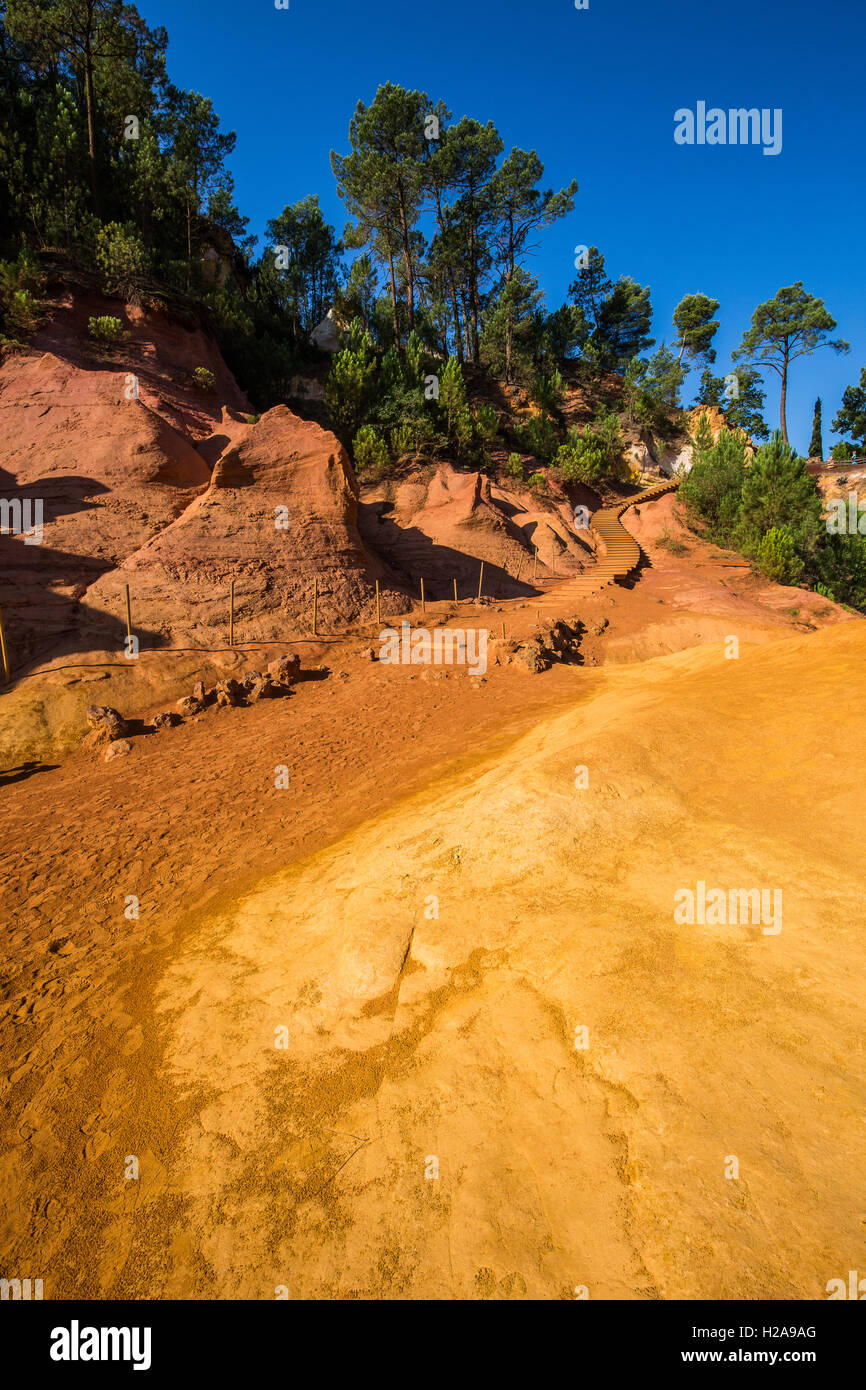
(539, 438)
(594, 455)
(745, 409)
(536, 481)
(20, 308)
(771, 511)
(370, 452)
(778, 492)
(710, 390)
(122, 259)
(696, 327)
(203, 378)
(486, 423)
(843, 452)
(713, 488)
(350, 382)
(615, 317)
(105, 328)
(454, 413)
(816, 443)
(299, 271)
(509, 338)
(851, 417)
(514, 467)
(658, 378)
(791, 325)
(548, 391)
(776, 556)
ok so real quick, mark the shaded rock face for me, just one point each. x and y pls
(326, 335)
(145, 479)
(439, 524)
(280, 514)
(104, 438)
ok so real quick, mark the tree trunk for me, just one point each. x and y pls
(407, 260)
(394, 298)
(90, 103)
(784, 397)
(188, 241)
(450, 274)
(466, 324)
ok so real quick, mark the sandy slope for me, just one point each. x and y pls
(411, 1037)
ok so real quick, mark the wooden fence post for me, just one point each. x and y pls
(315, 606)
(378, 607)
(231, 612)
(456, 599)
(423, 605)
(480, 581)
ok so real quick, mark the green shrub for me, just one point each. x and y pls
(593, 455)
(843, 451)
(350, 381)
(487, 423)
(548, 391)
(777, 557)
(536, 481)
(539, 438)
(713, 488)
(370, 452)
(121, 257)
(514, 467)
(20, 281)
(105, 328)
(203, 378)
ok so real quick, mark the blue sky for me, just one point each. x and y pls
(594, 92)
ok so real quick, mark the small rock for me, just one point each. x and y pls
(105, 722)
(117, 750)
(198, 692)
(368, 654)
(229, 692)
(189, 706)
(166, 720)
(265, 689)
(286, 669)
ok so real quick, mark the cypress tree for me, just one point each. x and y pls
(816, 446)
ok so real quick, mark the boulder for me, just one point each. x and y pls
(106, 724)
(326, 335)
(286, 669)
(117, 750)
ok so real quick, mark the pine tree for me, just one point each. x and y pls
(696, 327)
(793, 324)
